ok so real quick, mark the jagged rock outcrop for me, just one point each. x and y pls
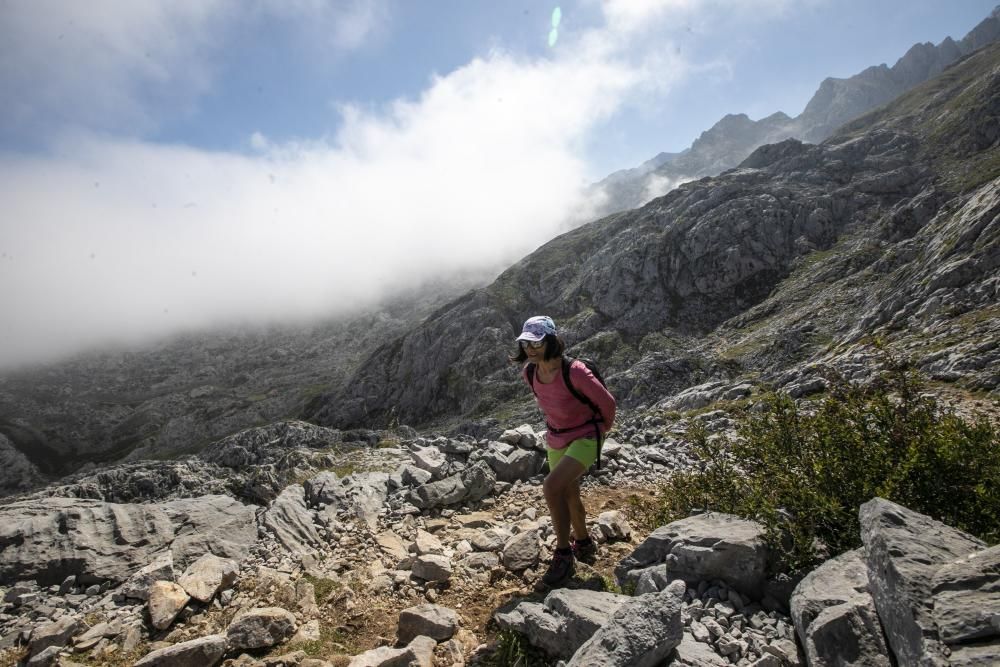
(835, 615)
(53, 538)
(916, 564)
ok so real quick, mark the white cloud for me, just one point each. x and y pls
(480, 169)
(117, 238)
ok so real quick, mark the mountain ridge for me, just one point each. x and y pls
(835, 102)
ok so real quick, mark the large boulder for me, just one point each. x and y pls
(564, 621)
(49, 539)
(479, 480)
(704, 547)
(55, 634)
(447, 491)
(641, 633)
(967, 598)
(431, 459)
(161, 569)
(166, 601)
(912, 560)
(292, 523)
(835, 615)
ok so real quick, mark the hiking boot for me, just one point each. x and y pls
(585, 551)
(560, 569)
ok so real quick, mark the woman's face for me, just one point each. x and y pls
(535, 354)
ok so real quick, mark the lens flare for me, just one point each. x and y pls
(553, 36)
(556, 17)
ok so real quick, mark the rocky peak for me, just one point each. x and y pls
(836, 101)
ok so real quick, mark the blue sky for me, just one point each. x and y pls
(174, 165)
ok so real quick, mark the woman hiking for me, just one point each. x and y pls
(577, 417)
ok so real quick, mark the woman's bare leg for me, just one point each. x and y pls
(577, 512)
(558, 488)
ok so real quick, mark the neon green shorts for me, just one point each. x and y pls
(583, 450)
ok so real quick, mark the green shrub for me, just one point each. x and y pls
(804, 471)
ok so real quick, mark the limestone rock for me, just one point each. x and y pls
(55, 634)
(52, 538)
(966, 598)
(521, 551)
(835, 615)
(704, 547)
(432, 567)
(207, 576)
(259, 628)
(201, 652)
(904, 551)
(426, 543)
(384, 656)
(564, 622)
(613, 525)
(292, 522)
(692, 652)
(447, 491)
(392, 545)
(479, 481)
(428, 619)
(641, 633)
(432, 460)
(491, 539)
(166, 600)
(160, 569)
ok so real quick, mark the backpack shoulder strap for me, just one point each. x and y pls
(566, 364)
(530, 372)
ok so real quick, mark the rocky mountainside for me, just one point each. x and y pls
(837, 101)
(805, 254)
(176, 397)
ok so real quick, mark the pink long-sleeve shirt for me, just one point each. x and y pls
(563, 410)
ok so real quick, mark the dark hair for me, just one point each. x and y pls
(554, 347)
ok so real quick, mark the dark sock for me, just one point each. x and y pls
(585, 541)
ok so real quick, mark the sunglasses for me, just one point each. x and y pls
(533, 344)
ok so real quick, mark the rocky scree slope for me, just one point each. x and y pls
(837, 101)
(414, 566)
(800, 255)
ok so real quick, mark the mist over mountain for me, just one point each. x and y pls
(835, 102)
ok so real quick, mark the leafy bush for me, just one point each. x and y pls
(803, 471)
